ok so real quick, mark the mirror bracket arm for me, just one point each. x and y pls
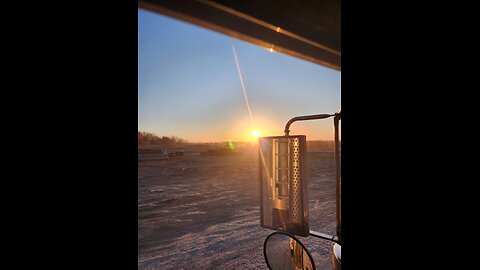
(325, 236)
(303, 118)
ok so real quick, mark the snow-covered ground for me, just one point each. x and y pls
(201, 212)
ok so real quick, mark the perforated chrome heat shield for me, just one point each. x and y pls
(283, 184)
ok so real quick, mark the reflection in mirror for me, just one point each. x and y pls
(284, 252)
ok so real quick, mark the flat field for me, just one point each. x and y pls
(202, 212)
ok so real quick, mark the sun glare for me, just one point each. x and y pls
(255, 134)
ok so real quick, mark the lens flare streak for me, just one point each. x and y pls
(243, 86)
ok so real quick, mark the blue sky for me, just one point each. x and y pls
(188, 85)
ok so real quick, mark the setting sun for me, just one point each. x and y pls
(255, 134)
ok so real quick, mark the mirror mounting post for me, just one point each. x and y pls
(336, 121)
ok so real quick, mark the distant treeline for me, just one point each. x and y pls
(146, 138)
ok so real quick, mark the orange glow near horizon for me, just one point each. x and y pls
(241, 129)
(255, 134)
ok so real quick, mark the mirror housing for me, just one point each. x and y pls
(284, 252)
(283, 184)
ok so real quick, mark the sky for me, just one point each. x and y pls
(189, 86)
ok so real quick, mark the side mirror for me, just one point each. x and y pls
(284, 252)
(283, 184)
